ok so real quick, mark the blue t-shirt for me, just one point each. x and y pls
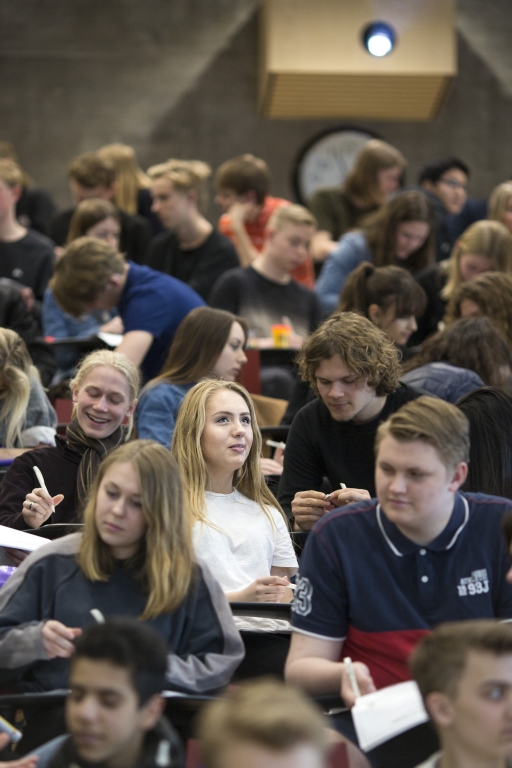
(157, 409)
(352, 249)
(155, 303)
(363, 582)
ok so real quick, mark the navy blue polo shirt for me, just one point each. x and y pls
(156, 303)
(363, 582)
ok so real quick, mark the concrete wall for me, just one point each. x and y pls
(178, 78)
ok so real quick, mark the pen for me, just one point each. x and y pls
(342, 486)
(10, 730)
(42, 484)
(273, 444)
(351, 676)
(97, 615)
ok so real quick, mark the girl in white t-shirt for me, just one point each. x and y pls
(239, 529)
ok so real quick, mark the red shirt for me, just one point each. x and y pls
(305, 274)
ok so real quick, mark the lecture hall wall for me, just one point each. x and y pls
(178, 78)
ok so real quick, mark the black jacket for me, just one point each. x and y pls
(59, 466)
(162, 740)
(14, 315)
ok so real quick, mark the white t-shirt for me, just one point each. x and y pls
(239, 543)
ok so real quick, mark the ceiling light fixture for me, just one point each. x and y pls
(379, 38)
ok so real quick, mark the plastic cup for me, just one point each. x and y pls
(281, 333)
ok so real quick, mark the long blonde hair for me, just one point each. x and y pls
(186, 448)
(16, 371)
(485, 238)
(129, 175)
(498, 201)
(166, 556)
(113, 360)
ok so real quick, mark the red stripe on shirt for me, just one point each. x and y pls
(385, 653)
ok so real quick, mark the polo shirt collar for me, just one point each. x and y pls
(400, 545)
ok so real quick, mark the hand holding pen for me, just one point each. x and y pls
(39, 505)
(309, 506)
(345, 496)
(356, 681)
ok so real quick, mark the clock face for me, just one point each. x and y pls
(327, 160)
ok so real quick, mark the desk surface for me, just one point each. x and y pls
(12, 453)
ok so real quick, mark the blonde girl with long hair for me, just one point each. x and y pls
(104, 393)
(27, 418)
(239, 528)
(485, 246)
(134, 558)
(132, 184)
(130, 178)
(500, 204)
(209, 343)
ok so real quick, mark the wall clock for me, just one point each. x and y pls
(326, 159)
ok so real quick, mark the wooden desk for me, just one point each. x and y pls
(7, 454)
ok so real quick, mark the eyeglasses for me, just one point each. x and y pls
(454, 184)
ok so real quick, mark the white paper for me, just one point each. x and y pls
(112, 339)
(386, 713)
(10, 538)
(172, 695)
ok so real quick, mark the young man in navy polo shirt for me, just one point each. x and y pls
(354, 369)
(377, 576)
(93, 275)
(464, 673)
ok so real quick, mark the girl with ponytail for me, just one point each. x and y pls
(388, 296)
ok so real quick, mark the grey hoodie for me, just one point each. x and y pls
(205, 646)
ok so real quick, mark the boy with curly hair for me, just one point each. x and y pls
(353, 368)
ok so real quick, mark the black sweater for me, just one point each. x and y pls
(198, 267)
(318, 446)
(432, 280)
(59, 466)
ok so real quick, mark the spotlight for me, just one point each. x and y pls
(379, 38)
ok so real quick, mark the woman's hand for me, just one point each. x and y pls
(58, 639)
(266, 589)
(37, 507)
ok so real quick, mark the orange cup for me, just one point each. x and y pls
(281, 333)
